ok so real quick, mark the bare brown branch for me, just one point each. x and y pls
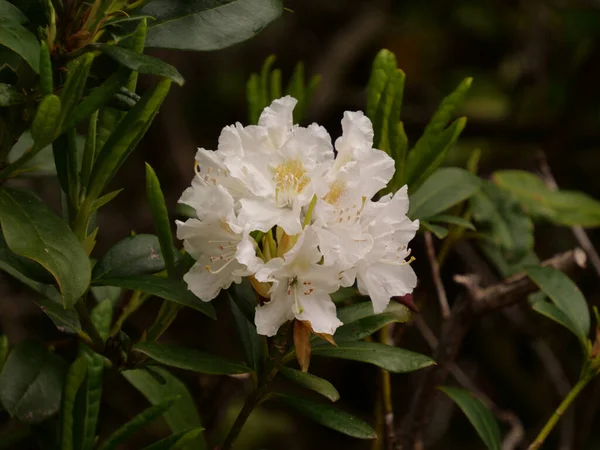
(435, 273)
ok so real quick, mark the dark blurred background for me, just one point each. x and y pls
(536, 75)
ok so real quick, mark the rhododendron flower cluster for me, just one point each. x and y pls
(278, 204)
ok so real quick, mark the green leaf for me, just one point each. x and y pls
(358, 311)
(366, 326)
(453, 220)
(33, 231)
(31, 382)
(106, 198)
(265, 94)
(98, 97)
(430, 152)
(110, 293)
(330, 417)
(168, 289)
(542, 306)
(101, 318)
(21, 41)
(384, 66)
(505, 263)
(179, 441)
(207, 24)
(46, 76)
(158, 208)
(566, 296)
(75, 376)
(244, 296)
(45, 124)
(189, 359)
(568, 208)
(135, 424)
(139, 62)
(439, 231)
(312, 382)
(9, 12)
(10, 96)
(42, 164)
(77, 75)
(135, 255)
(443, 189)
(125, 137)
(253, 98)
(254, 345)
(478, 414)
(26, 267)
(393, 359)
(508, 227)
(183, 415)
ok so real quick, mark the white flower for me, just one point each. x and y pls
(384, 272)
(357, 174)
(282, 170)
(301, 288)
(223, 250)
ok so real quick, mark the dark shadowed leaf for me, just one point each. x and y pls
(169, 289)
(394, 359)
(478, 414)
(136, 255)
(312, 382)
(139, 62)
(33, 231)
(9, 12)
(207, 24)
(254, 345)
(189, 359)
(135, 424)
(183, 415)
(75, 376)
(329, 416)
(21, 41)
(31, 382)
(180, 441)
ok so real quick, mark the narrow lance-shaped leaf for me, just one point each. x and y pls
(312, 382)
(46, 77)
(33, 231)
(3, 350)
(478, 414)
(77, 75)
(160, 215)
(9, 12)
(393, 359)
(179, 441)
(126, 136)
(429, 154)
(253, 98)
(544, 307)
(254, 345)
(136, 43)
(183, 415)
(31, 382)
(330, 417)
(101, 318)
(166, 288)
(384, 66)
(265, 78)
(46, 122)
(439, 231)
(139, 62)
(189, 359)
(135, 424)
(75, 376)
(207, 25)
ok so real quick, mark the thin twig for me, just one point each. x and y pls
(435, 273)
(578, 231)
(453, 331)
(516, 433)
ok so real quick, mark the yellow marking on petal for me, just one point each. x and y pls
(336, 190)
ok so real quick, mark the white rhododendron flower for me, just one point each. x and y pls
(275, 203)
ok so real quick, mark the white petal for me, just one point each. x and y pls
(262, 214)
(357, 131)
(319, 310)
(207, 285)
(383, 281)
(270, 316)
(246, 254)
(278, 119)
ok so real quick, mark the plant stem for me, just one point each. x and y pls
(572, 395)
(251, 402)
(88, 326)
(166, 316)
